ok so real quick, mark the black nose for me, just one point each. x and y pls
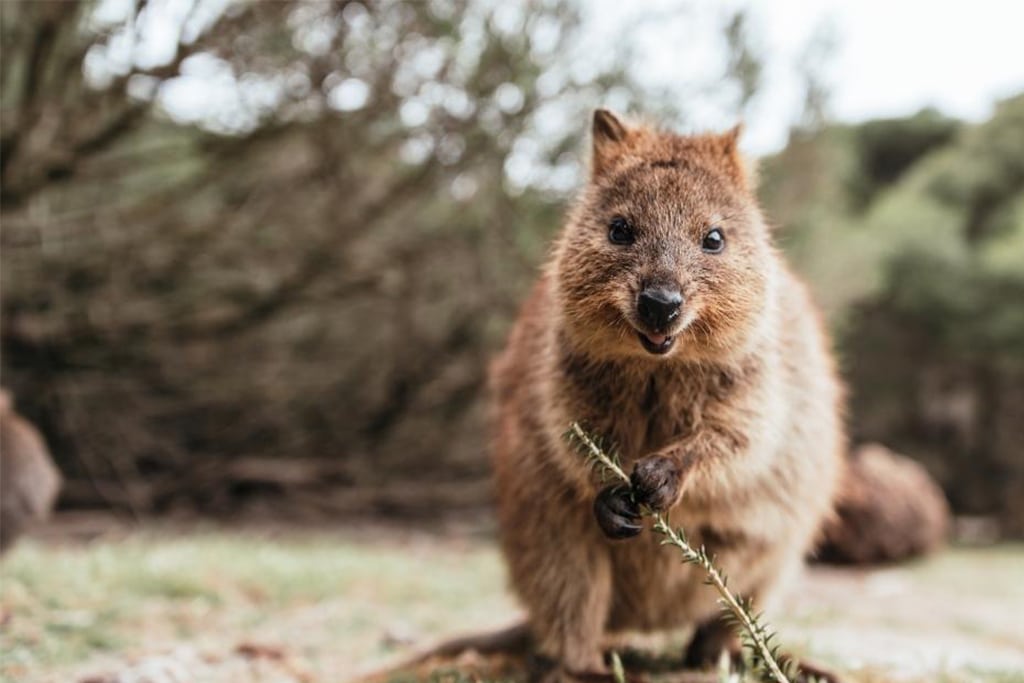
(658, 307)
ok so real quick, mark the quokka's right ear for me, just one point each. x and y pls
(609, 136)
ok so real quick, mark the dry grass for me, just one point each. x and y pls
(220, 605)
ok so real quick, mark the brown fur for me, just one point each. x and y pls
(746, 404)
(28, 479)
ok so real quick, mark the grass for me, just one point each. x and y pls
(65, 607)
(332, 601)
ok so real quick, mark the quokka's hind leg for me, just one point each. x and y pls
(717, 636)
(711, 639)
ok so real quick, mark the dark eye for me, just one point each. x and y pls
(714, 241)
(620, 232)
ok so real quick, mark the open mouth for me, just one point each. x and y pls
(657, 344)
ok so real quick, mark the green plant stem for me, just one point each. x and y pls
(755, 630)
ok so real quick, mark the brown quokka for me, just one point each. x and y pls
(29, 481)
(667, 323)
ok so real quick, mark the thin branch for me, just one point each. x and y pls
(757, 634)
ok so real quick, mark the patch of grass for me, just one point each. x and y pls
(336, 602)
(67, 605)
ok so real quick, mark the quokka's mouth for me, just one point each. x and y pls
(658, 344)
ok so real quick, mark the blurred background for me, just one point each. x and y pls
(256, 255)
(255, 258)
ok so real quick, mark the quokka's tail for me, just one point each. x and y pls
(888, 509)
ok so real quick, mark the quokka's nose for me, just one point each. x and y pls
(657, 307)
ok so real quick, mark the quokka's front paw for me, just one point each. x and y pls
(656, 481)
(617, 514)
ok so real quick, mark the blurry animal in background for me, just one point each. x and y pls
(888, 508)
(29, 481)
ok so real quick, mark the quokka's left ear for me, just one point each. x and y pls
(610, 137)
(736, 166)
(731, 137)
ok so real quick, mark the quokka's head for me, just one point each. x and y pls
(666, 253)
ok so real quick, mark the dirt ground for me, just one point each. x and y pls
(93, 602)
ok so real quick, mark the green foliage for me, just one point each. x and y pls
(964, 310)
(911, 232)
(886, 148)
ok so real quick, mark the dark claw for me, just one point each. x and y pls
(655, 481)
(617, 514)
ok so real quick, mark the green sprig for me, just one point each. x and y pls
(750, 626)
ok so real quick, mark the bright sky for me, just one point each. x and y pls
(892, 58)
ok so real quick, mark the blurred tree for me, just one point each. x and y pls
(267, 248)
(913, 234)
(256, 247)
(888, 147)
(745, 65)
(815, 64)
(951, 301)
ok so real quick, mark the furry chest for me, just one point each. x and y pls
(638, 413)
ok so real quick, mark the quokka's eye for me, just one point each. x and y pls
(620, 232)
(713, 242)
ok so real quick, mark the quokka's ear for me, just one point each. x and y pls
(731, 137)
(732, 160)
(609, 137)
